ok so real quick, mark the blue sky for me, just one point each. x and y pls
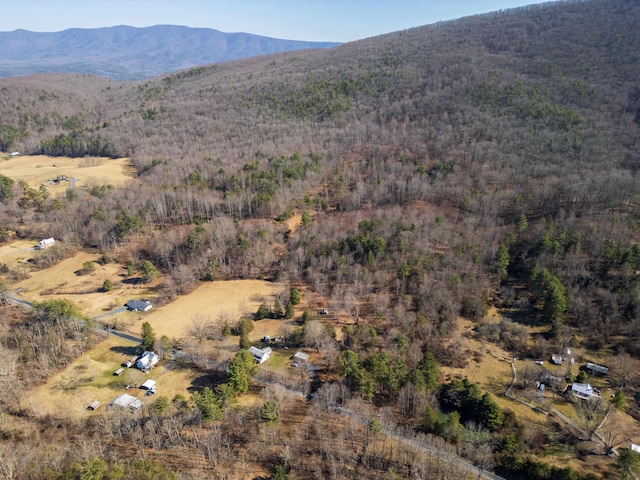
(317, 20)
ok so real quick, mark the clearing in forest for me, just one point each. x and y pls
(216, 301)
(90, 377)
(39, 170)
(66, 280)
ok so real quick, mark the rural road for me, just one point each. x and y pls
(110, 331)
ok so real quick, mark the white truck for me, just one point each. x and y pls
(46, 243)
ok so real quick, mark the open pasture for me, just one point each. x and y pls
(39, 170)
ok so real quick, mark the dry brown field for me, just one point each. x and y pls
(39, 170)
(215, 300)
(63, 281)
(13, 253)
(90, 377)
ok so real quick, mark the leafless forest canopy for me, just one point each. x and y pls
(486, 162)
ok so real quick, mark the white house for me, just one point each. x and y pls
(260, 356)
(125, 400)
(584, 390)
(147, 361)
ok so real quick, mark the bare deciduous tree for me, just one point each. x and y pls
(201, 327)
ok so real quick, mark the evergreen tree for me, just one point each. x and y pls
(207, 404)
(148, 337)
(242, 367)
(148, 271)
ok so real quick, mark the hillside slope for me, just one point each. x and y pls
(437, 172)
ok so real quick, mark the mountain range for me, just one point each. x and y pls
(130, 53)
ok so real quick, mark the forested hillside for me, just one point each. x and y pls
(443, 171)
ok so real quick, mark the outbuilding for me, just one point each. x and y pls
(595, 368)
(148, 385)
(300, 359)
(127, 401)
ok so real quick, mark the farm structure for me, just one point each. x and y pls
(141, 305)
(260, 355)
(130, 363)
(127, 401)
(556, 359)
(148, 385)
(300, 359)
(45, 243)
(594, 368)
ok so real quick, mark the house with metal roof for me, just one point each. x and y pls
(141, 305)
(127, 401)
(584, 390)
(260, 355)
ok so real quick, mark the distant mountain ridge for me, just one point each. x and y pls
(131, 53)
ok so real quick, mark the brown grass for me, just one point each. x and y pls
(62, 281)
(233, 298)
(39, 170)
(92, 373)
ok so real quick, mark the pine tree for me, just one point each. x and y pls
(148, 337)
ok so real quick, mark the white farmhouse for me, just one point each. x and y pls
(147, 361)
(260, 356)
(584, 390)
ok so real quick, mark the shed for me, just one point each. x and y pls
(118, 372)
(260, 355)
(94, 405)
(127, 401)
(148, 385)
(635, 448)
(141, 305)
(300, 359)
(130, 363)
(594, 368)
(556, 359)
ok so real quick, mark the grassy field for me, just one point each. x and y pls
(39, 170)
(90, 378)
